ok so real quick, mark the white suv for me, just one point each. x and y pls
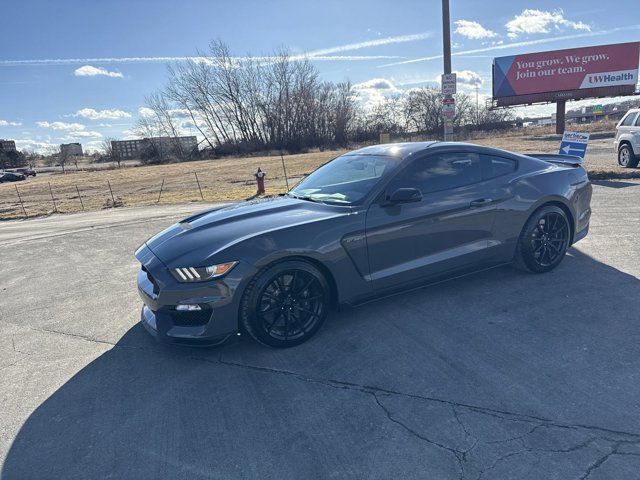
(627, 142)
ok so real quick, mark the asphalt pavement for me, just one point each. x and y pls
(497, 375)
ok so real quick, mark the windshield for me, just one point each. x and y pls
(344, 180)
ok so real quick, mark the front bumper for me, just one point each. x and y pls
(161, 293)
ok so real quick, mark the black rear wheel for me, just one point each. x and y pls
(544, 240)
(285, 304)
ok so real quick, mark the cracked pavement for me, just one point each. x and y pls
(493, 376)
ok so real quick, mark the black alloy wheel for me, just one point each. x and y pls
(286, 304)
(544, 240)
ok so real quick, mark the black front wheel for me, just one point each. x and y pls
(285, 304)
(544, 240)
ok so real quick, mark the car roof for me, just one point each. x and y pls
(403, 150)
(400, 150)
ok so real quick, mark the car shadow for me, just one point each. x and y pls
(614, 183)
(561, 346)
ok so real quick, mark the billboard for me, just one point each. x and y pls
(571, 74)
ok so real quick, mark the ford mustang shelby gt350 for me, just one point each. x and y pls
(371, 222)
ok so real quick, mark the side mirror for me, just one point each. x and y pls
(404, 195)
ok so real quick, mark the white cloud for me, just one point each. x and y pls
(91, 71)
(376, 91)
(468, 77)
(72, 130)
(526, 43)
(473, 30)
(180, 113)
(375, 84)
(35, 145)
(146, 112)
(7, 123)
(82, 134)
(464, 78)
(129, 134)
(541, 21)
(61, 126)
(107, 114)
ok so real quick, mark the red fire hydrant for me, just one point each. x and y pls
(260, 180)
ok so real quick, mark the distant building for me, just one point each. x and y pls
(71, 149)
(7, 146)
(133, 148)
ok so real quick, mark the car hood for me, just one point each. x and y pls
(202, 238)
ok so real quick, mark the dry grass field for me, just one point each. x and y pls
(220, 180)
(230, 178)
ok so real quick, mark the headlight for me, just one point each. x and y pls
(200, 274)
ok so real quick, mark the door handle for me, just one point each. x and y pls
(480, 202)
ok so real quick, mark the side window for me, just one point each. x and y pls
(637, 124)
(444, 171)
(628, 120)
(497, 166)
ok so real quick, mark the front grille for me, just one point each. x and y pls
(191, 319)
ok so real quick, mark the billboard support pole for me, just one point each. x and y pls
(560, 110)
(446, 50)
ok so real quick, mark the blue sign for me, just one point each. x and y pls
(574, 143)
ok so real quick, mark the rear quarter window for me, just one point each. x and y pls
(495, 166)
(628, 119)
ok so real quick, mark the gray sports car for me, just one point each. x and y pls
(369, 223)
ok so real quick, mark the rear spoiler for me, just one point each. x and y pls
(570, 160)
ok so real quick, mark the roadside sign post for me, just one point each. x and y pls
(448, 113)
(448, 108)
(446, 56)
(448, 82)
(574, 143)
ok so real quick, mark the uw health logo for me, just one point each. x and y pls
(606, 79)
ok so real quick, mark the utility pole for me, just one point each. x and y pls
(477, 107)
(446, 51)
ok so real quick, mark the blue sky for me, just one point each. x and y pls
(75, 70)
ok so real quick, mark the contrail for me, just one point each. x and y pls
(321, 55)
(371, 43)
(84, 61)
(515, 44)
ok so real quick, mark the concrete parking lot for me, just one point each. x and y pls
(493, 376)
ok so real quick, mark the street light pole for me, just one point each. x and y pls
(446, 51)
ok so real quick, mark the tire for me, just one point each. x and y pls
(544, 240)
(285, 304)
(626, 157)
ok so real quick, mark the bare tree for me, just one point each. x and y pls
(251, 104)
(31, 158)
(110, 153)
